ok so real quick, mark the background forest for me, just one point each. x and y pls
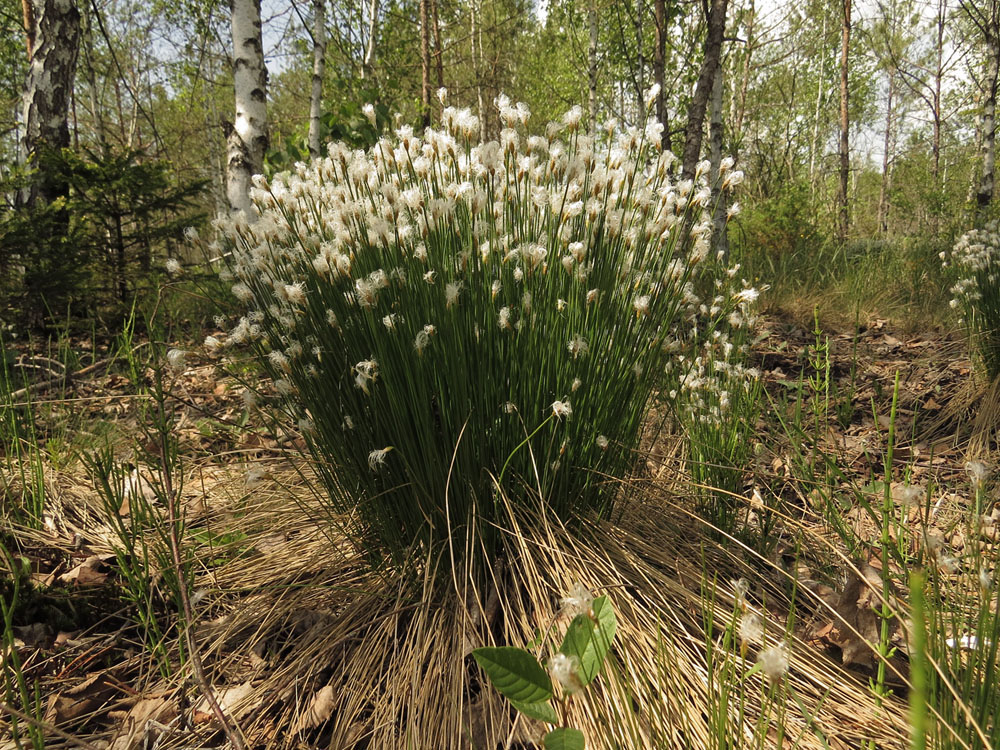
(859, 128)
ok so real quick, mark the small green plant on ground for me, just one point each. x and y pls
(519, 676)
(16, 690)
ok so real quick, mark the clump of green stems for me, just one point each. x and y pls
(22, 453)
(976, 258)
(449, 320)
(16, 690)
(720, 432)
(730, 678)
(955, 647)
(136, 504)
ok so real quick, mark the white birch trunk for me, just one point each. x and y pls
(984, 195)
(53, 43)
(319, 67)
(368, 66)
(247, 140)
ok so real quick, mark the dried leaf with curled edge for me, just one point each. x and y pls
(320, 709)
(81, 700)
(232, 700)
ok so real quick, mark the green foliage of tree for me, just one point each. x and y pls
(91, 252)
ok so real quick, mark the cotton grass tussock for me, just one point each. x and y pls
(975, 260)
(441, 277)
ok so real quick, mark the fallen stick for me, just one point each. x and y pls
(63, 378)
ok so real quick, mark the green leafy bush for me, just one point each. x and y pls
(445, 318)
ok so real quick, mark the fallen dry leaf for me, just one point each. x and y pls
(80, 700)
(232, 700)
(320, 709)
(86, 573)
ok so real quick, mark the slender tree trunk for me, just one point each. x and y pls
(970, 194)
(319, 67)
(592, 63)
(699, 102)
(425, 63)
(845, 154)
(715, 133)
(984, 194)
(28, 15)
(942, 14)
(247, 138)
(90, 75)
(54, 40)
(659, 64)
(887, 146)
(368, 65)
(438, 52)
(814, 144)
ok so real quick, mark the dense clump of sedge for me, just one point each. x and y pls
(975, 259)
(453, 314)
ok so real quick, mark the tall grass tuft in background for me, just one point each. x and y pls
(447, 319)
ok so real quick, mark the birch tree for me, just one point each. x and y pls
(693, 133)
(985, 17)
(319, 66)
(844, 219)
(247, 137)
(53, 38)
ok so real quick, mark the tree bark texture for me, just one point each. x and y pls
(319, 67)
(984, 195)
(844, 219)
(247, 140)
(54, 40)
(716, 130)
(693, 132)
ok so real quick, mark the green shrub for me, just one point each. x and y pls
(781, 240)
(445, 318)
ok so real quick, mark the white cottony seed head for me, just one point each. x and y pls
(578, 601)
(564, 670)
(376, 459)
(774, 661)
(562, 409)
(176, 358)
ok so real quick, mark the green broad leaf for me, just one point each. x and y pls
(542, 711)
(515, 673)
(590, 639)
(564, 738)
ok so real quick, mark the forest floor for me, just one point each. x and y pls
(107, 678)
